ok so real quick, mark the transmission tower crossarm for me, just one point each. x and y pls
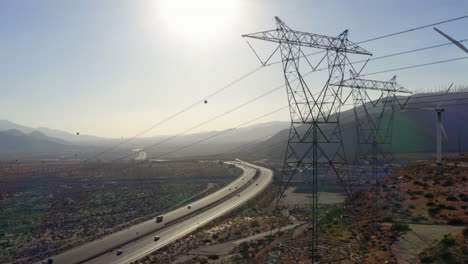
(384, 86)
(284, 35)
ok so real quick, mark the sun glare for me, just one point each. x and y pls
(198, 19)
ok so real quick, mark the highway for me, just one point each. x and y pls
(141, 236)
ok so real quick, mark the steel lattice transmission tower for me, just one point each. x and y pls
(374, 106)
(315, 146)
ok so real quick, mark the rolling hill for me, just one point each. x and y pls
(414, 130)
(15, 141)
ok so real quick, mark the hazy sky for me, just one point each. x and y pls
(113, 67)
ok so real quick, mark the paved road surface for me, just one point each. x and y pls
(146, 245)
(97, 247)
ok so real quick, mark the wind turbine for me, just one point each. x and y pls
(457, 43)
(439, 129)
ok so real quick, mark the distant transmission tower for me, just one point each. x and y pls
(315, 146)
(374, 106)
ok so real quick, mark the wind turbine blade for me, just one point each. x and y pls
(452, 40)
(448, 90)
(443, 131)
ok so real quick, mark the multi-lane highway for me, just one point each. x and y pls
(138, 240)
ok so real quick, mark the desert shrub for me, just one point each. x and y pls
(213, 257)
(465, 232)
(415, 192)
(450, 207)
(426, 259)
(442, 206)
(387, 219)
(429, 195)
(418, 218)
(254, 224)
(455, 221)
(400, 227)
(434, 211)
(448, 182)
(452, 198)
(448, 241)
(206, 241)
(244, 250)
(419, 183)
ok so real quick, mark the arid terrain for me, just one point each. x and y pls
(47, 211)
(420, 216)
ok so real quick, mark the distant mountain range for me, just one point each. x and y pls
(413, 131)
(55, 133)
(15, 141)
(20, 139)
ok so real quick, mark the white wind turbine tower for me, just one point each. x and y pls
(439, 129)
(439, 109)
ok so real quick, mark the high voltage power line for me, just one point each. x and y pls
(405, 108)
(415, 66)
(257, 69)
(178, 113)
(399, 53)
(414, 29)
(223, 132)
(389, 35)
(225, 113)
(280, 142)
(275, 89)
(207, 121)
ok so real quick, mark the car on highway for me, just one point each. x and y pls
(48, 261)
(156, 238)
(119, 252)
(189, 207)
(159, 219)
